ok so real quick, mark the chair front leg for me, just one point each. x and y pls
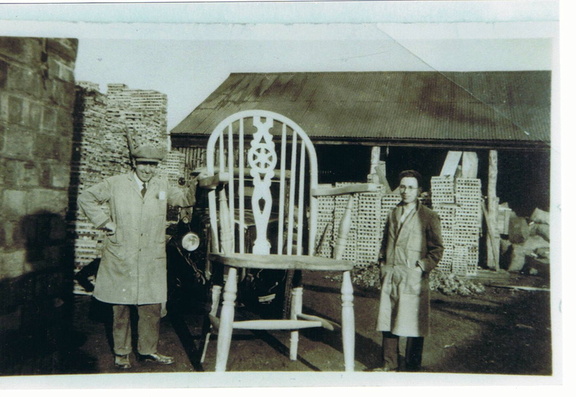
(348, 326)
(216, 292)
(226, 321)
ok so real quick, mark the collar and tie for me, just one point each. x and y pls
(405, 213)
(143, 186)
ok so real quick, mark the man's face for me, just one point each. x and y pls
(409, 190)
(145, 170)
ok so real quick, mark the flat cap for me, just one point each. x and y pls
(148, 153)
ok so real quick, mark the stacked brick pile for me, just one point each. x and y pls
(172, 166)
(142, 113)
(195, 157)
(458, 202)
(88, 166)
(368, 221)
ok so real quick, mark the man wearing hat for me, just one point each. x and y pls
(132, 271)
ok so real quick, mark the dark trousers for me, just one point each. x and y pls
(148, 328)
(391, 351)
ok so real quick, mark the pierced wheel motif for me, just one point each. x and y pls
(262, 158)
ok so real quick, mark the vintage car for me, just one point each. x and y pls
(190, 275)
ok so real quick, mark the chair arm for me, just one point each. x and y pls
(346, 189)
(212, 182)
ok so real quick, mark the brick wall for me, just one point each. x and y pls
(36, 104)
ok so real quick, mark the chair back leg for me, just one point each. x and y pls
(226, 321)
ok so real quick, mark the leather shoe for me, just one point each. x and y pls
(157, 358)
(122, 361)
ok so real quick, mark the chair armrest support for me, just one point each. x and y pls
(212, 182)
(347, 189)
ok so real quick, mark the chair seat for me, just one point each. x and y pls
(288, 262)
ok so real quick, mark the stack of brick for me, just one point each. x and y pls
(88, 167)
(142, 113)
(369, 215)
(173, 166)
(458, 202)
(195, 157)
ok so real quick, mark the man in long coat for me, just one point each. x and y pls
(411, 248)
(132, 209)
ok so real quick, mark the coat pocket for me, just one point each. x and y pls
(115, 251)
(414, 281)
(386, 276)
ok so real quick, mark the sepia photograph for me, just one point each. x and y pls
(280, 194)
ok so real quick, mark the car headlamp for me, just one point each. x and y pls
(190, 241)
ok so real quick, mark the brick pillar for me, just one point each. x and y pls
(36, 103)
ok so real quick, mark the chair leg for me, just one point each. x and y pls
(216, 292)
(226, 321)
(348, 327)
(206, 341)
(295, 309)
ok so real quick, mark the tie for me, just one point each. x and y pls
(404, 215)
(143, 191)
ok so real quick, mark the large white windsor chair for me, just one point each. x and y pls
(261, 163)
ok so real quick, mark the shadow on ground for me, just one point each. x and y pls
(503, 331)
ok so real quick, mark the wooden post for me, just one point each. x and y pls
(493, 239)
(469, 165)
(344, 229)
(374, 162)
(451, 163)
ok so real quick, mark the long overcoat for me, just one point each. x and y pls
(133, 265)
(405, 293)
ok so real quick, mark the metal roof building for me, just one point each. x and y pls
(434, 109)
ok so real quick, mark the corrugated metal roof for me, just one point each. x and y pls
(390, 106)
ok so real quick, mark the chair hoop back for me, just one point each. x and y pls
(271, 168)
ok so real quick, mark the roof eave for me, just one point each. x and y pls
(182, 140)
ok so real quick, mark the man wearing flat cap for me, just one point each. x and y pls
(132, 271)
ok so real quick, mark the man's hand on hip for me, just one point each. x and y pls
(110, 228)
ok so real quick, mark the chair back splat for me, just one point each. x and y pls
(270, 167)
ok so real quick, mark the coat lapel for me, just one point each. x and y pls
(405, 228)
(133, 184)
(394, 223)
(153, 188)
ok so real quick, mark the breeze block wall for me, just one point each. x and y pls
(36, 105)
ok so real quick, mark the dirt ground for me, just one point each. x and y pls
(502, 331)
